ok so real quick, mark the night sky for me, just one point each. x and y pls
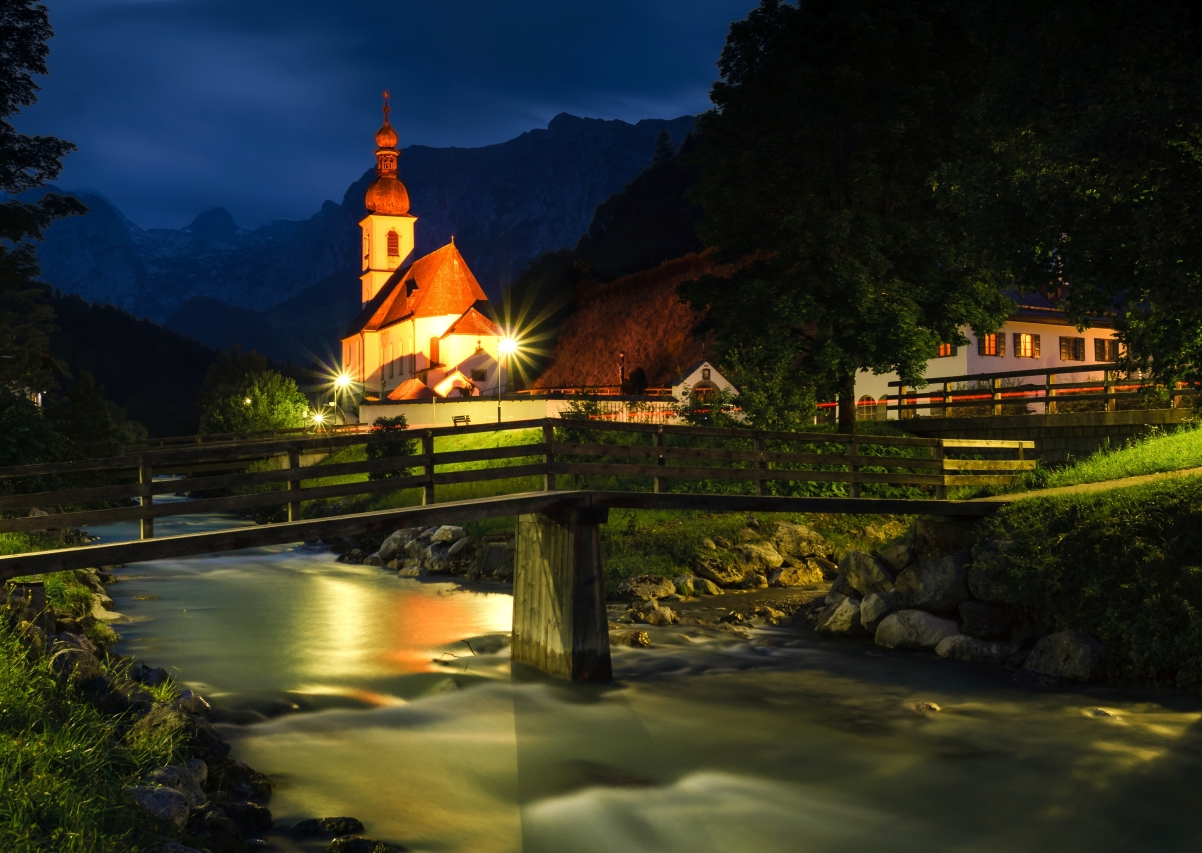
(268, 107)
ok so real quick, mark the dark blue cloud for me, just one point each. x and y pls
(267, 107)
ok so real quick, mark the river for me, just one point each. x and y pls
(392, 700)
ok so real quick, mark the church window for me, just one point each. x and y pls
(479, 374)
(366, 248)
(394, 244)
(433, 351)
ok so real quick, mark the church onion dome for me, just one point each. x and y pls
(388, 196)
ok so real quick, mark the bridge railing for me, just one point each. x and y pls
(625, 456)
(1103, 388)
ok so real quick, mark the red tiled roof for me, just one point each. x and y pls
(411, 389)
(474, 323)
(436, 285)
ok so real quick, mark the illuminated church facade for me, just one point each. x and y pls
(424, 329)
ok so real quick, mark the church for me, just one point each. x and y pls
(424, 330)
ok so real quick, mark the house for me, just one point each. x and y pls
(702, 377)
(425, 330)
(1035, 337)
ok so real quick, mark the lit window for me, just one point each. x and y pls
(991, 345)
(1026, 346)
(1072, 349)
(394, 245)
(1105, 349)
(946, 350)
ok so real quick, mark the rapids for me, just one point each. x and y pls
(392, 700)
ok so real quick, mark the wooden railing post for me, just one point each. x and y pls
(761, 485)
(853, 487)
(660, 461)
(947, 398)
(901, 395)
(996, 385)
(428, 452)
(294, 507)
(1178, 400)
(941, 489)
(1049, 394)
(1109, 387)
(146, 499)
(549, 457)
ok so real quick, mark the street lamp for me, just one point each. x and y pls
(505, 347)
(341, 383)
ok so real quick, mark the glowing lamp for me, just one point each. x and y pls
(343, 380)
(319, 418)
(507, 346)
(246, 401)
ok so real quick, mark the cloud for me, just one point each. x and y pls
(268, 107)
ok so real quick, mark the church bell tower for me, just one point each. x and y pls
(388, 227)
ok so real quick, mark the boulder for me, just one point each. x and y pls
(683, 584)
(199, 737)
(913, 629)
(842, 619)
(705, 586)
(830, 571)
(448, 533)
(191, 703)
(754, 580)
(198, 769)
(973, 650)
(645, 586)
(73, 664)
(661, 616)
(722, 543)
(182, 780)
(373, 560)
(864, 574)
(220, 833)
(896, 557)
(634, 639)
(987, 580)
(840, 588)
(251, 818)
(359, 844)
(803, 574)
(328, 826)
(711, 565)
(1071, 655)
(709, 544)
(458, 547)
(164, 803)
(876, 606)
(987, 621)
(412, 569)
(937, 585)
(758, 556)
(396, 543)
(796, 542)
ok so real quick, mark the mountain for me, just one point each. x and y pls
(506, 204)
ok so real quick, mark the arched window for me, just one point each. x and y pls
(866, 408)
(394, 244)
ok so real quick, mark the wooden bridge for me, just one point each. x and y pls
(560, 486)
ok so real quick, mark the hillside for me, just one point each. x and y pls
(506, 204)
(640, 315)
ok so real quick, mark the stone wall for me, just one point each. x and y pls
(1058, 438)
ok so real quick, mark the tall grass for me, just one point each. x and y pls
(1154, 453)
(63, 766)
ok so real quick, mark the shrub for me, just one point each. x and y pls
(398, 444)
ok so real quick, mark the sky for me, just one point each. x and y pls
(268, 107)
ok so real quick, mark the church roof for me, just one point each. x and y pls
(473, 322)
(411, 389)
(433, 286)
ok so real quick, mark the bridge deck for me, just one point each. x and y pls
(452, 512)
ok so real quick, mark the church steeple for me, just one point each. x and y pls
(388, 227)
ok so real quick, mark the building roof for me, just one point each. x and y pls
(411, 389)
(473, 322)
(433, 286)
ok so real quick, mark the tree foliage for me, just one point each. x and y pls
(1081, 172)
(830, 117)
(398, 444)
(242, 394)
(26, 162)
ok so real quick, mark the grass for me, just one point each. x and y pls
(63, 766)
(1124, 565)
(1155, 453)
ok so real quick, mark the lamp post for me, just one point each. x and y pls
(505, 347)
(342, 382)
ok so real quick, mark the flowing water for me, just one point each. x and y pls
(392, 700)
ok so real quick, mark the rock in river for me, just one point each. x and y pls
(936, 585)
(913, 629)
(1073, 655)
(801, 574)
(864, 574)
(876, 607)
(645, 586)
(842, 618)
(164, 803)
(758, 557)
(182, 780)
(973, 650)
(710, 565)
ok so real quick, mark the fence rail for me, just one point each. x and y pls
(990, 393)
(656, 466)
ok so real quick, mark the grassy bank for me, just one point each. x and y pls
(63, 765)
(1124, 565)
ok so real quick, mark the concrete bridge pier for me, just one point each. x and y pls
(559, 620)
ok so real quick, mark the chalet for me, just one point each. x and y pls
(425, 329)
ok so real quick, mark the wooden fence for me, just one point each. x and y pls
(1004, 391)
(640, 457)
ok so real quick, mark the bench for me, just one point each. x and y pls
(462, 420)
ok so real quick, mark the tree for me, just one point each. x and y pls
(830, 118)
(262, 400)
(26, 162)
(398, 444)
(1081, 175)
(91, 426)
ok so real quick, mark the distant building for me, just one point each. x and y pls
(700, 379)
(425, 329)
(1035, 337)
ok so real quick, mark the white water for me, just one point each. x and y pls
(706, 743)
